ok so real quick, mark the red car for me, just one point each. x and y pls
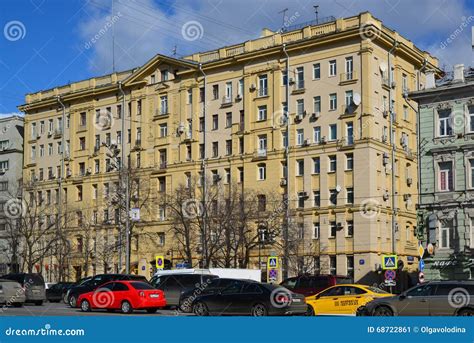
(125, 296)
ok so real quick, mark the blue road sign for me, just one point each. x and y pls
(361, 262)
(389, 261)
(421, 265)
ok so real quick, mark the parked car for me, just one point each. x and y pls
(55, 293)
(87, 286)
(32, 284)
(313, 284)
(436, 298)
(80, 282)
(248, 297)
(125, 296)
(210, 287)
(342, 299)
(174, 284)
(11, 293)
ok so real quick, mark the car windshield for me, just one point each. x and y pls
(376, 290)
(141, 285)
(34, 279)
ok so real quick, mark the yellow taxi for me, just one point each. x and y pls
(342, 299)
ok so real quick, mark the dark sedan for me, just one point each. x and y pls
(247, 297)
(56, 292)
(205, 288)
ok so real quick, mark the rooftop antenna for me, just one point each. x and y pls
(283, 19)
(316, 8)
(174, 51)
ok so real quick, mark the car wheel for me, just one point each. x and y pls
(383, 311)
(85, 306)
(185, 305)
(152, 310)
(126, 307)
(39, 302)
(72, 301)
(259, 311)
(65, 299)
(200, 309)
(466, 312)
(310, 311)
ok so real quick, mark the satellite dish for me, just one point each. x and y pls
(338, 188)
(383, 67)
(356, 99)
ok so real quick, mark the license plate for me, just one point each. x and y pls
(296, 300)
(35, 291)
(153, 295)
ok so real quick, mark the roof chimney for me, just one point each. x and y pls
(430, 80)
(458, 73)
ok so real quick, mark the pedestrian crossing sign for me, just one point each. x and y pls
(272, 262)
(389, 262)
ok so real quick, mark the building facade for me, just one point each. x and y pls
(11, 171)
(446, 116)
(309, 113)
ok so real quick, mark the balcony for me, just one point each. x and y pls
(227, 101)
(348, 110)
(347, 78)
(260, 154)
(58, 132)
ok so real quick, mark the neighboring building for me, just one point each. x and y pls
(343, 88)
(11, 167)
(446, 117)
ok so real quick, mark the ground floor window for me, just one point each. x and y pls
(332, 265)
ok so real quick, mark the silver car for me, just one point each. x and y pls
(436, 298)
(11, 293)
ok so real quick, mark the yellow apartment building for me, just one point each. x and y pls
(342, 83)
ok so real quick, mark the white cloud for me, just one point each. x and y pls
(144, 28)
(5, 115)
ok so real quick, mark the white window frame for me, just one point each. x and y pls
(332, 101)
(316, 230)
(331, 138)
(317, 134)
(316, 66)
(261, 172)
(299, 136)
(446, 229)
(332, 68)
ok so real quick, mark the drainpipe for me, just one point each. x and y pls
(287, 153)
(203, 167)
(395, 44)
(124, 179)
(63, 149)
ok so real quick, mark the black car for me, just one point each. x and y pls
(87, 286)
(210, 287)
(56, 292)
(248, 297)
(32, 283)
(173, 285)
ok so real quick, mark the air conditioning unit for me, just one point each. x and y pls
(404, 141)
(50, 133)
(385, 113)
(409, 181)
(181, 128)
(2, 171)
(291, 81)
(323, 140)
(394, 84)
(386, 195)
(283, 182)
(315, 115)
(307, 142)
(303, 194)
(89, 171)
(252, 87)
(68, 172)
(38, 135)
(299, 117)
(238, 97)
(406, 197)
(341, 225)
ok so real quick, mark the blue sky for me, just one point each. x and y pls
(47, 43)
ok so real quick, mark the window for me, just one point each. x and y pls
(262, 85)
(228, 91)
(41, 152)
(201, 94)
(162, 182)
(139, 107)
(50, 149)
(190, 97)
(332, 229)
(299, 167)
(262, 113)
(215, 122)
(332, 265)
(241, 87)
(215, 92)
(241, 174)
(332, 101)
(349, 68)
(4, 186)
(408, 233)
(317, 134)
(445, 237)
(300, 107)
(82, 119)
(227, 175)
(350, 195)
(350, 228)
(445, 176)
(82, 143)
(444, 123)
(33, 130)
(349, 98)
(201, 151)
(317, 104)
(241, 145)
(299, 78)
(262, 172)
(349, 133)
(332, 68)
(96, 166)
(405, 113)
(471, 119)
(262, 145)
(316, 71)
(471, 171)
(164, 104)
(299, 137)
(161, 238)
(301, 199)
(215, 149)
(164, 75)
(333, 132)
(316, 198)
(404, 83)
(332, 164)
(349, 161)
(228, 119)
(284, 77)
(284, 138)
(228, 147)
(333, 197)
(350, 267)
(316, 165)
(79, 192)
(162, 213)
